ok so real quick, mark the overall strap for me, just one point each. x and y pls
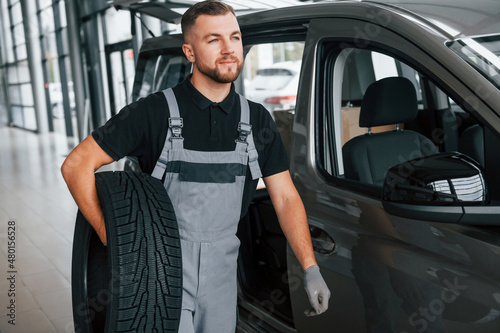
(175, 121)
(245, 140)
(174, 137)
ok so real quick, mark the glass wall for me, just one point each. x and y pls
(59, 92)
(120, 62)
(48, 24)
(3, 101)
(16, 66)
(4, 119)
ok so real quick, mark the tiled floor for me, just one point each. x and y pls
(34, 195)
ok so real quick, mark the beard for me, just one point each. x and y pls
(216, 75)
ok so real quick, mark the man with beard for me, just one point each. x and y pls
(209, 146)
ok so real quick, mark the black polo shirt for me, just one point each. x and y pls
(140, 129)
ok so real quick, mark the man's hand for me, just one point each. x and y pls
(316, 290)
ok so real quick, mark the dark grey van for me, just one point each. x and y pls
(394, 147)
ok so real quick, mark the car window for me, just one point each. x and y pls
(482, 53)
(159, 72)
(271, 77)
(360, 142)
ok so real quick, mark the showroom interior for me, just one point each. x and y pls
(65, 68)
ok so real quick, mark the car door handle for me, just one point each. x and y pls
(322, 242)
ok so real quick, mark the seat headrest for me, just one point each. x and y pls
(392, 100)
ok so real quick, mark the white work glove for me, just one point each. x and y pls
(316, 290)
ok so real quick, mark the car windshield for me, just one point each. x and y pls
(482, 53)
(271, 79)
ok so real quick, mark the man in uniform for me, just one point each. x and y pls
(209, 146)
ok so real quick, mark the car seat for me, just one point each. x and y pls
(367, 157)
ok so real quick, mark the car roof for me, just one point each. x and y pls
(457, 17)
(451, 18)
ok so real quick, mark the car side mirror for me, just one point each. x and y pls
(448, 187)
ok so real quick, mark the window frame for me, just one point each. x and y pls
(327, 55)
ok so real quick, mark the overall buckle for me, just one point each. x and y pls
(244, 130)
(176, 125)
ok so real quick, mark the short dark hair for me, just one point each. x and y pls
(208, 7)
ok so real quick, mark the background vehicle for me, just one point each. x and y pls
(275, 86)
(407, 253)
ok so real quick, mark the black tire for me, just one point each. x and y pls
(135, 283)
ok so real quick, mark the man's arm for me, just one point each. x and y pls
(78, 171)
(293, 221)
(292, 216)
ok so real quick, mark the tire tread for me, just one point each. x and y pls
(143, 238)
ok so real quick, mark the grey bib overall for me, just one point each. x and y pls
(206, 190)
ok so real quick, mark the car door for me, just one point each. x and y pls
(386, 273)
